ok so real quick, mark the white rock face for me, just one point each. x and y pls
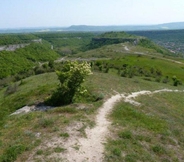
(24, 110)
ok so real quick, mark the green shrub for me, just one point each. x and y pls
(106, 70)
(166, 79)
(175, 81)
(97, 96)
(71, 77)
(158, 79)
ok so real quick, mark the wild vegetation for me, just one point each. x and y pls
(71, 77)
(151, 131)
(8, 39)
(67, 43)
(24, 59)
(170, 39)
(151, 69)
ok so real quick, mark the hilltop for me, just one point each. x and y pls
(132, 111)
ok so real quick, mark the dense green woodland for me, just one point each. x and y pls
(23, 59)
(7, 39)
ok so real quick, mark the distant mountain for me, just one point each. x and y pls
(87, 28)
(166, 26)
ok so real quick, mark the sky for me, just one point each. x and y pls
(64, 13)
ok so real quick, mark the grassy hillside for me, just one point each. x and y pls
(143, 66)
(111, 38)
(35, 89)
(152, 131)
(23, 59)
(67, 43)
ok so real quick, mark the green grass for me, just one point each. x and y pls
(118, 50)
(147, 63)
(152, 132)
(18, 134)
(22, 133)
(59, 149)
(107, 84)
(34, 90)
(135, 126)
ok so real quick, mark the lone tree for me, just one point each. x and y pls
(71, 77)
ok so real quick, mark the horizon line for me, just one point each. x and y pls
(19, 28)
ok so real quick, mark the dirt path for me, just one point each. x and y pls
(91, 148)
(130, 98)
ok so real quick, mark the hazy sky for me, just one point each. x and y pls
(47, 13)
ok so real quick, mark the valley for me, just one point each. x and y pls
(129, 108)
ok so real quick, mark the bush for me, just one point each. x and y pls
(158, 79)
(175, 81)
(39, 70)
(166, 79)
(106, 70)
(71, 77)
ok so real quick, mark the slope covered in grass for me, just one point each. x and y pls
(150, 132)
(23, 59)
(35, 89)
(144, 66)
(28, 91)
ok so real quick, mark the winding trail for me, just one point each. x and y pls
(91, 148)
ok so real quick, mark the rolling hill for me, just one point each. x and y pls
(133, 110)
